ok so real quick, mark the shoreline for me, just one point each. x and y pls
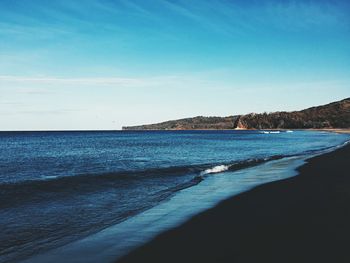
(300, 219)
(335, 130)
(117, 240)
(106, 245)
(344, 131)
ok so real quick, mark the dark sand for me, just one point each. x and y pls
(302, 219)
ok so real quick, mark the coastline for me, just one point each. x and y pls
(344, 131)
(116, 241)
(300, 219)
(335, 130)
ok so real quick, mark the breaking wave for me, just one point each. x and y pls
(216, 169)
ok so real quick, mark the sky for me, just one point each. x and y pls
(103, 64)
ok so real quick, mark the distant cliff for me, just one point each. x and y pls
(333, 115)
(196, 123)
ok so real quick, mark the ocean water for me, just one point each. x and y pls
(57, 187)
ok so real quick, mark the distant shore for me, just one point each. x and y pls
(335, 114)
(336, 130)
(300, 219)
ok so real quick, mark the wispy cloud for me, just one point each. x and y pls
(40, 112)
(11, 103)
(304, 15)
(86, 81)
(33, 91)
(168, 81)
(71, 18)
(233, 17)
(49, 112)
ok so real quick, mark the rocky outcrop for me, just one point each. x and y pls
(333, 115)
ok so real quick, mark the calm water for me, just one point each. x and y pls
(56, 187)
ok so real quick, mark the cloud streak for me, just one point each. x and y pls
(56, 80)
(219, 16)
(168, 81)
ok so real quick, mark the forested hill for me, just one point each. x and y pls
(333, 115)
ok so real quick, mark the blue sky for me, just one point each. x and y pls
(102, 64)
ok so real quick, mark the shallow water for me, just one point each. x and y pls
(115, 241)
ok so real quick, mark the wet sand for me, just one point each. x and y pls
(301, 219)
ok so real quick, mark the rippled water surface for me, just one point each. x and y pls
(56, 187)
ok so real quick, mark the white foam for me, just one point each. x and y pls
(215, 169)
(269, 132)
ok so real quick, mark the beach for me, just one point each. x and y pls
(174, 131)
(300, 219)
(118, 240)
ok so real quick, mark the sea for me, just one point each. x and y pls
(60, 187)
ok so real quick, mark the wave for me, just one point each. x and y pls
(216, 169)
(269, 132)
(206, 168)
(275, 132)
(343, 144)
(26, 191)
